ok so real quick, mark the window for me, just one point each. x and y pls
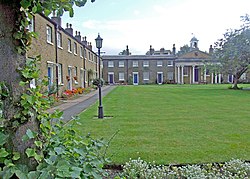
(145, 63)
(33, 83)
(185, 71)
(69, 46)
(170, 63)
(75, 75)
(170, 75)
(145, 75)
(75, 48)
(135, 63)
(89, 56)
(207, 72)
(31, 26)
(60, 74)
(110, 64)
(121, 63)
(81, 51)
(159, 63)
(59, 39)
(85, 53)
(49, 34)
(121, 76)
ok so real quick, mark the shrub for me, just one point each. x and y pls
(142, 170)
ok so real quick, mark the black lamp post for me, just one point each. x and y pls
(98, 41)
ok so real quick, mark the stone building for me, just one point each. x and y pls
(164, 66)
(66, 59)
(138, 69)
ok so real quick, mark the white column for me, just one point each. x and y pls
(193, 74)
(182, 81)
(178, 74)
(190, 75)
(212, 78)
(205, 75)
(220, 78)
(215, 80)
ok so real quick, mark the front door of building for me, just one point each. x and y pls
(135, 78)
(196, 74)
(69, 78)
(111, 78)
(50, 77)
(159, 78)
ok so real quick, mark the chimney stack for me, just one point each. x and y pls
(56, 19)
(78, 36)
(69, 29)
(127, 50)
(90, 45)
(84, 41)
(151, 50)
(174, 49)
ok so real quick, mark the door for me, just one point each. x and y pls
(196, 74)
(111, 78)
(50, 76)
(135, 78)
(159, 78)
(69, 78)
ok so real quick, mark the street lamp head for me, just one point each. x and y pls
(98, 41)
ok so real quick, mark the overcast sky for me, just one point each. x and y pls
(160, 23)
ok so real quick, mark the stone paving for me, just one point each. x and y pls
(75, 106)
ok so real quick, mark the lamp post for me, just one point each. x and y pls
(98, 41)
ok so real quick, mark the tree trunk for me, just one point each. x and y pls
(10, 61)
(235, 83)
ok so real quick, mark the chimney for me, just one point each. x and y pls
(151, 50)
(174, 49)
(211, 50)
(69, 28)
(84, 41)
(162, 50)
(90, 45)
(78, 36)
(56, 19)
(127, 50)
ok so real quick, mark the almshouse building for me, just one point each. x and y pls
(164, 66)
(66, 59)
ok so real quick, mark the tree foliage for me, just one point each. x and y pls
(184, 49)
(233, 50)
(32, 145)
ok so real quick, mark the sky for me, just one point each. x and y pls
(160, 23)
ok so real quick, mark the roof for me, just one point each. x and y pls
(194, 39)
(138, 57)
(195, 54)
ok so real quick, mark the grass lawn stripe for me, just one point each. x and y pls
(173, 123)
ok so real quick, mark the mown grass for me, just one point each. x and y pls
(173, 123)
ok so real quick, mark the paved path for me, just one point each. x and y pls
(74, 107)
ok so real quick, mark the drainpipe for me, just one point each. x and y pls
(57, 85)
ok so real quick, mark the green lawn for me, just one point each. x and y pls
(173, 123)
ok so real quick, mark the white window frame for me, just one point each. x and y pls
(121, 76)
(59, 40)
(31, 26)
(110, 64)
(145, 63)
(121, 63)
(185, 67)
(69, 46)
(75, 48)
(135, 63)
(145, 76)
(159, 63)
(49, 34)
(81, 49)
(170, 63)
(60, 74)
(172, 75)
